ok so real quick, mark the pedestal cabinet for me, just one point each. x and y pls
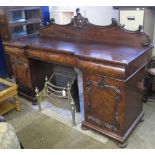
(28, 73)
(111, 106)
(21, 71)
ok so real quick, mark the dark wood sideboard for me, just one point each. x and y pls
(112, 61)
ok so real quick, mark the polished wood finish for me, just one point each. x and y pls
(112, 61)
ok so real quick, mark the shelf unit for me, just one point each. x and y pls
(19, 21)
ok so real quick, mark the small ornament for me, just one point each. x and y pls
(63, 93)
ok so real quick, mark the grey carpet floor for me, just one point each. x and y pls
(37, 130)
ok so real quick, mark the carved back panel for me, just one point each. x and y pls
(79, 29)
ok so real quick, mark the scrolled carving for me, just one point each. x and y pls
(147, 41)
(79, 21)
(88, 87)
(100, 123)
(78, 12)
(139, 28)
(101, 84)
(115, 22)
(52, 21)
(116, 116)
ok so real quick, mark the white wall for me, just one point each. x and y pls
(144, 17)
(99, 15)
(149, 25)
(137, 16)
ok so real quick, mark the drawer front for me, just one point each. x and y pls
(103, 102)
(14, 51)
(53, 56)
(102, 69)
(21, 71)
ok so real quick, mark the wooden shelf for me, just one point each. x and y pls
(17, 21)
(14, 17)
(26, 22)
(22, 8)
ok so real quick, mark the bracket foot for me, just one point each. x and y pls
(122, 145)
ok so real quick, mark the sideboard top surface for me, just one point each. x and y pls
(86, 41)
(85, 50)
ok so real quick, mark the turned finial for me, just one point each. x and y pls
(37, 90)
(52, 21)
(68, 85)
(140, 28)
(78, 11)
(46, 78)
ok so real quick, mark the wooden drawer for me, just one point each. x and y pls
(53, 56)
(21, 71)
(14, 51)
(102, 69)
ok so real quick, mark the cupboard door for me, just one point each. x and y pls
(21, 71)
(102, 102)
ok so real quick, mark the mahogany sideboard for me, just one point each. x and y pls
(112, 61)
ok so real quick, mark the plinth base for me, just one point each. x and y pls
(120, 140)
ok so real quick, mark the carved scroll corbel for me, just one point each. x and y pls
(52, 21)
(147, 41)
(139, 29)
(115, 22)
(88, 87)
